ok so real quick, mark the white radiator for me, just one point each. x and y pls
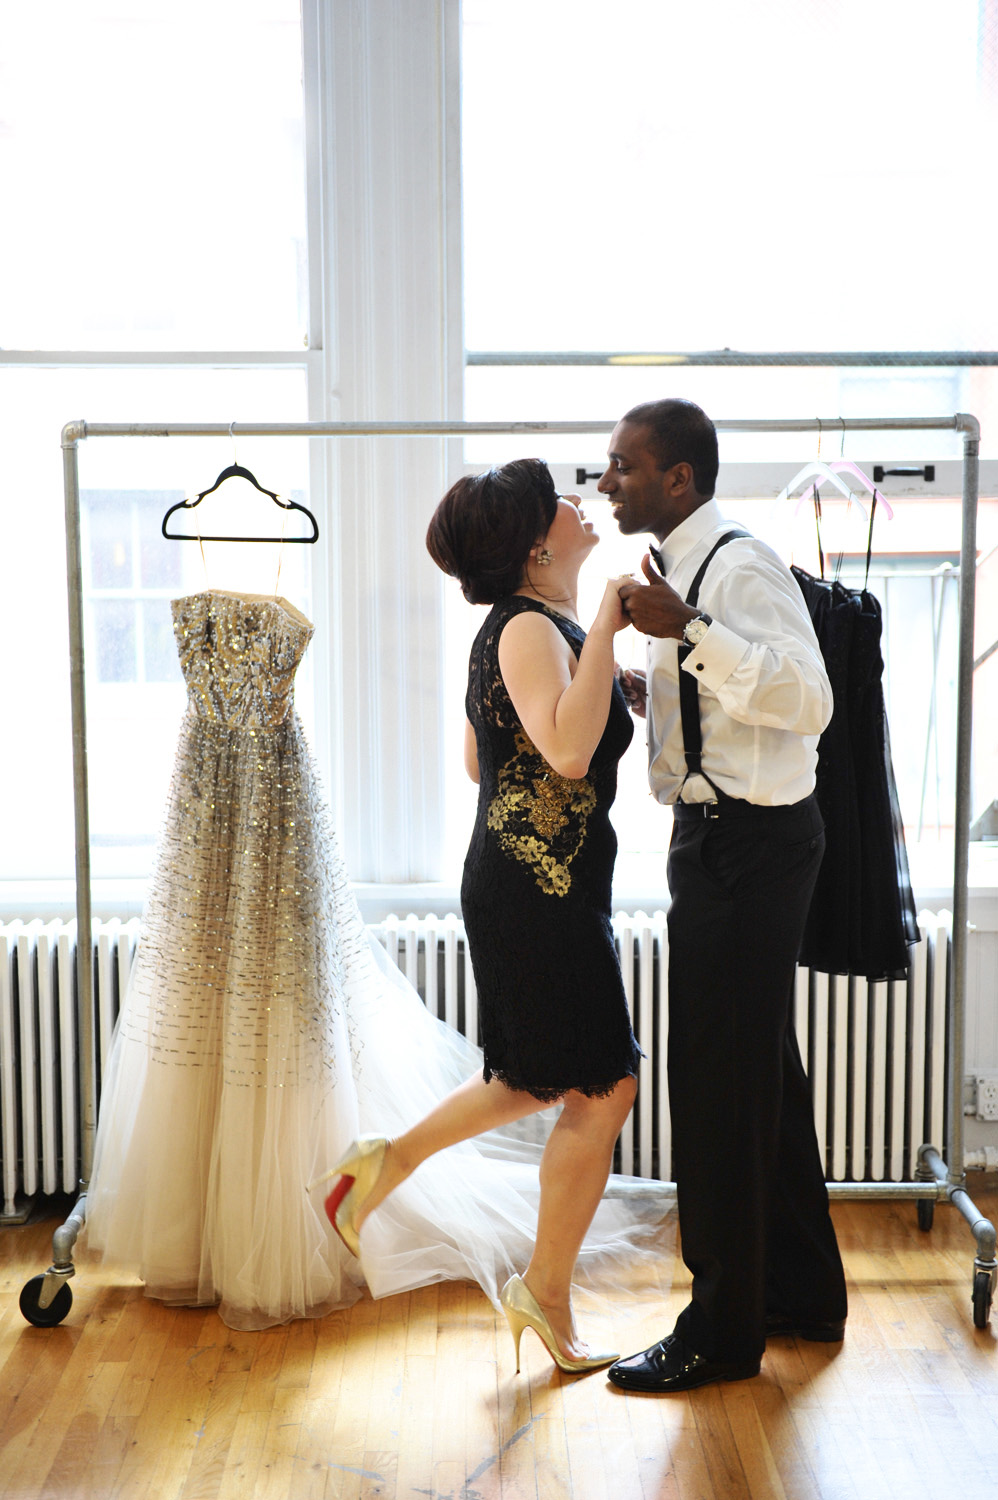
(875, 1053)
(39, 1051)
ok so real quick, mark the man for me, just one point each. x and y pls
(746, 845)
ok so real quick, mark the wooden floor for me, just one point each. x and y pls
(416, 1396)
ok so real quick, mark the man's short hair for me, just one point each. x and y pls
(681, 432)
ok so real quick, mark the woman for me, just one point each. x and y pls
(547, 724)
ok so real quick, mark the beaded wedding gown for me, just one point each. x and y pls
(264, 1028)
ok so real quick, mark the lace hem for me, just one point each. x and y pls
(552, 1095)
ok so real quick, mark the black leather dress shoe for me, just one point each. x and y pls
(672, 1365)
(814, 1330)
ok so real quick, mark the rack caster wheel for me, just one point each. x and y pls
(982, 1298)
(45, 1317)
(925, 1208)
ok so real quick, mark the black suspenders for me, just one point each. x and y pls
(689, 706)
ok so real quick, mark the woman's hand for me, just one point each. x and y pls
(634, 686)
(611, 614)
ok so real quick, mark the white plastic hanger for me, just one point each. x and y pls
(817, 472)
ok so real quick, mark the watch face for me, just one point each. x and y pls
(695, 631)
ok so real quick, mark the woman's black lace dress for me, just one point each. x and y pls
(536, 892)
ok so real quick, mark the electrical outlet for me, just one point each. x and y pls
(987, 1096)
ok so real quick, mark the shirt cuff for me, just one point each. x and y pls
(717, 656)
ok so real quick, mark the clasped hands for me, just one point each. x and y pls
(654, 608)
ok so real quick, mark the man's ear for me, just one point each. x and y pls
(681, 478)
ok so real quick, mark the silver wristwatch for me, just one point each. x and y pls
(695, 629)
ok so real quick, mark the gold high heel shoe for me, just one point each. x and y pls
(523, 1311)
(358, 1172)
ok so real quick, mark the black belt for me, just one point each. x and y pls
(735, 807)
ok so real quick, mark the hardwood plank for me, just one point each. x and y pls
(215, 1438)
(299, 1353)
(379, 1481)
(280, 1445)
(751, 1440)
(777, 1430)
(357, 1395)
(693, 1479)
(243, 1458)
(453, 1392)
(57, 1402)
(169, 1426)
(114, 1441)
(514, 1451)
(415, 1438)
(485, 1331)
(154, 1323)
(833, 1479)
(263, 1377)
(718, 1442)
(74, 1456)
(978, 1421)
(620, 1466)
(416, 1395)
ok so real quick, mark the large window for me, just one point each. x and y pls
(673, 176)
(656, 178)
(152, 159)
(739, 183)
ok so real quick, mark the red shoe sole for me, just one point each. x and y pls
(336, 1197)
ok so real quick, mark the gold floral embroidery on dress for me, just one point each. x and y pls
(540, 817)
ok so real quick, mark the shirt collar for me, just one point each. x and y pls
(705, 519)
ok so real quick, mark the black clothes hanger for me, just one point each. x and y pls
(816, 498)
(236, 471)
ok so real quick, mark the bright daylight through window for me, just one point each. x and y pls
(817, 211)
(608, 209)
(179, 184)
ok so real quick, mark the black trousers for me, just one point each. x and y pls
(753, 1206)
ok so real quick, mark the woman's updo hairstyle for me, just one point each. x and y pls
(483, 529)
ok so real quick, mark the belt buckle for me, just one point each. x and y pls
(711, 810)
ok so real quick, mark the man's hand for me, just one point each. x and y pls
(655, 609)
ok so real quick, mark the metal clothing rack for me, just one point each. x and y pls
(46, 1299)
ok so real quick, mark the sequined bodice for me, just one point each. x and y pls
(239, 654)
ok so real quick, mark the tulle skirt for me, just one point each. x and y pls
(263, 1030)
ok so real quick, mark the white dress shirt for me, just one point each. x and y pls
(764, 696)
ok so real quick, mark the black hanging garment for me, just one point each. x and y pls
(862, 918)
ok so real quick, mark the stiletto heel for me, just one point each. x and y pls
(358, 1173)
(516, 1326)
(523, 1311)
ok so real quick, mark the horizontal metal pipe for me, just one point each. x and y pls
(821, 359)
(290, 359)
(76, 430)
(906, 1190)
(726, 358)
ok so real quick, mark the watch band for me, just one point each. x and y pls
(695, 629)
